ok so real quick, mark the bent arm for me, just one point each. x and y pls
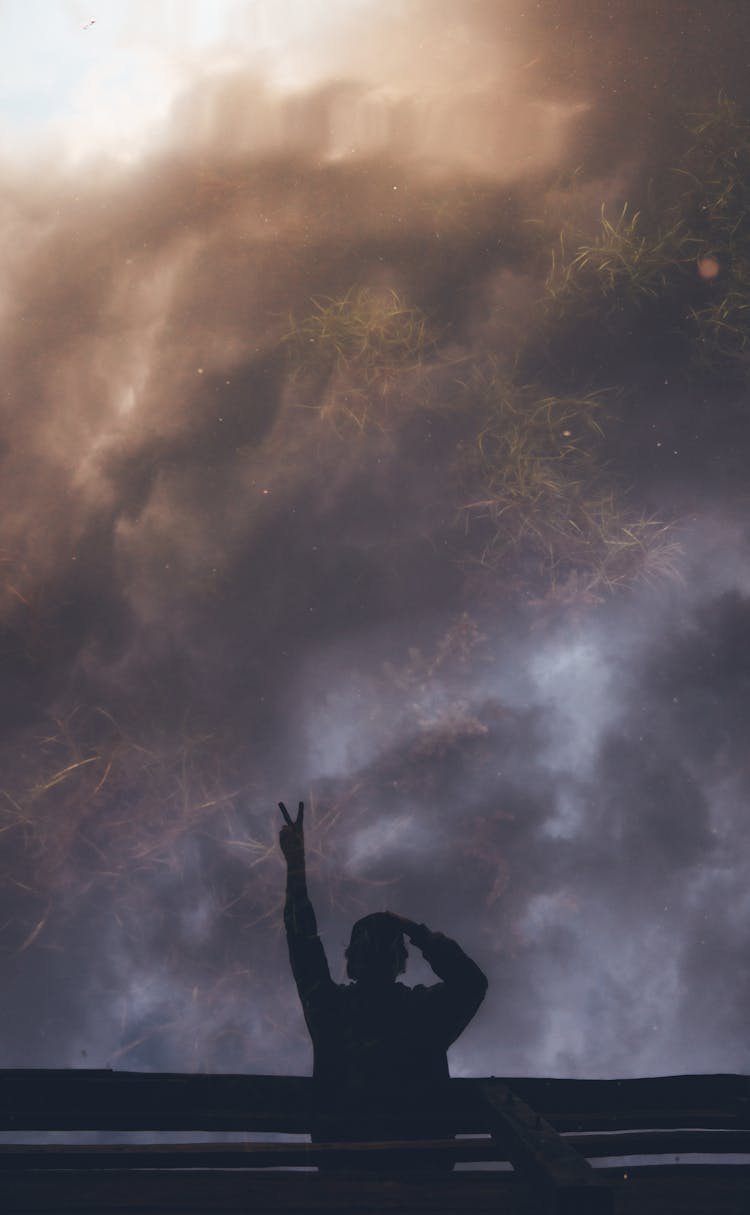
(456, 999)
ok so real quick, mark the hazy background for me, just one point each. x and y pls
(233, 573)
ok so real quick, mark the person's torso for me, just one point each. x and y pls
(378, 1056)
(379, 1043)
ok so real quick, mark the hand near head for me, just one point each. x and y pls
(291, 836)
(408, 927)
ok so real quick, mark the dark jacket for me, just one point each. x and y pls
(379, 1051)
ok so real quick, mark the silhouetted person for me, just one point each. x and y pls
(378, 1046)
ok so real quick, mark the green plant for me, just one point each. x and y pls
(624, 548)
(714, 172)
(542, 494)
(714, 180)
(362, 329)
(529, 455)
(686, 247)
(358, 344)
(624, 263)
(723, 326)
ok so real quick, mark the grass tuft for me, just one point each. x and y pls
(372, 332)
(623, 264)
(358, 345)
(542, 492)
(692, 248)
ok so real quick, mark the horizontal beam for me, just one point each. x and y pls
(152, 1101)
(38, 1099)
(255, 1155)
(29, 1156)
(205, 1193)
(661, 1143)
(690, 1191)
(708, 1101)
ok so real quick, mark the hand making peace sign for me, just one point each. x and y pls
(291, 836)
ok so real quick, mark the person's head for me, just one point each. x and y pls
(376, 952)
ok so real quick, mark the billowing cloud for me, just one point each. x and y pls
(253, 371)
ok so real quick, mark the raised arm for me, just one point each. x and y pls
(453, 1002)
(306, 953)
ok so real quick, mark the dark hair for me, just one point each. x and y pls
(376, 948)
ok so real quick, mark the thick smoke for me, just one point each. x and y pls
(233, 575)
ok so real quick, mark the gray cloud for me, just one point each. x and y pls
(221, 588)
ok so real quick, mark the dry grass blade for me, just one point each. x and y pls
(32, 936)
(65, 772)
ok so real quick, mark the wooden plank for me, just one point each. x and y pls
(105, 1100)
(291, 1155)
(38, 1099)
(716, 1191)
(655, 1143)
(677, 1172)
(566, 1182)
(228, 1155)
(722, 1193)
(121, 1101)
(149, 1192)
(721, 1100)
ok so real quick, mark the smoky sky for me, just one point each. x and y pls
(233, 574)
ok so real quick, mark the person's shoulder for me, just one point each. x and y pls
(339, 998)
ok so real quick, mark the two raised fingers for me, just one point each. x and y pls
(300, 815)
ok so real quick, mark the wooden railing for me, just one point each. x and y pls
(548, 1130)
